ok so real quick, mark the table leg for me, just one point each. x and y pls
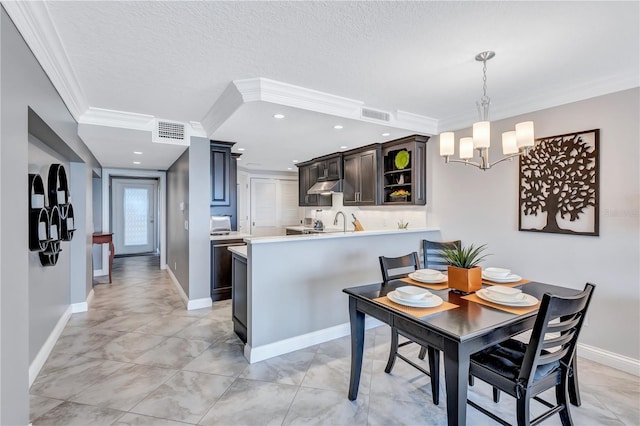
(111, 255)
(357, 346)
(456, 372)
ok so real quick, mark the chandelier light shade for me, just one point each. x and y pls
(514, 143)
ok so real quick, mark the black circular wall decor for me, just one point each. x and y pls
(50, 222)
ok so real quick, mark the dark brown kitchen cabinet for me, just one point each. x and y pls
(360, 184)
(329, 167)
(239, 296)
(221, 268)
(404, 171)
(221, 173)
(308, 174)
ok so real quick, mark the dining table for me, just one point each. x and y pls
(459, 331)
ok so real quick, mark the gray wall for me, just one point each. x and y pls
(610, 260)
(177, 235)
(48, 286)
(96, 204)
(188, 251)
(24, 85)
(199, 203)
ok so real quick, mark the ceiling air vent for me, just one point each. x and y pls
(375, 115)
(170, 132)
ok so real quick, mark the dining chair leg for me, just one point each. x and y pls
(522, 410)
(574, 390)
(434, 372)
(561, 396)
(392, 351)
(496, 395)
(423, 352)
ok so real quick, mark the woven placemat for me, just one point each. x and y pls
(517, 310)
(416, 312)
(437, 286)
(515, 284)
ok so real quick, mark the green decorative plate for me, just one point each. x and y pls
(402, 159)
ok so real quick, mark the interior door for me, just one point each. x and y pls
(134, 213)
(274, 206)
(264, 209)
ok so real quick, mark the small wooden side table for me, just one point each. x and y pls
(104, 238)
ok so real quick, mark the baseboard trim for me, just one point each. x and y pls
(82, 306)
(281, 347)
(610, 359)
(190, 304)
(45, 350)
(99, 273)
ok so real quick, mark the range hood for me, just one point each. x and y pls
(326, 187)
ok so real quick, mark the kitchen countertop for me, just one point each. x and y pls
(301, 228)
(233, 235)
(239, 250)
(337, 234)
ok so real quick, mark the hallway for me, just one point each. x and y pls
(138, 357)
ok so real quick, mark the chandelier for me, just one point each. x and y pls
(514, 143)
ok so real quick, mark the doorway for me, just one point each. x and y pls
(134, 214)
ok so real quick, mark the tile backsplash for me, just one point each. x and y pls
(371, 218)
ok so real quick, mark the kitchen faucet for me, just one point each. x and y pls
(344, 221)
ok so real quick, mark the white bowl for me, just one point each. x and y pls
(498, 272)
(410, 292)
(505, 293)
(429, 274)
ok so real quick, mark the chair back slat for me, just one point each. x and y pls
(398, 267)
(546, 346)
(557, 341)
(432, 253)
(552, 356)
(564, 325)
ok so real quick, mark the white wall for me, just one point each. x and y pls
(482, 207)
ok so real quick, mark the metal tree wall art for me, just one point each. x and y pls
(559, 185)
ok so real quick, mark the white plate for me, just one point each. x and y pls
(427, 302)
(528, 300)
(511, 278)
(442, 278)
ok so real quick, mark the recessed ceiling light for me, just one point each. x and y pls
(289, 168)
(136, 162)
(240, 149)
(137, 152)
(295, 161)
(278, 116)
(337, 127)
(386, 134)
(344, 147)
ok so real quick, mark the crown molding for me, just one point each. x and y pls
(263, 89)
(260, 89)
(132, 120)
(222, 109)
(112, 118)
(34, 23)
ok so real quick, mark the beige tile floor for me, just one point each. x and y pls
(138, 357)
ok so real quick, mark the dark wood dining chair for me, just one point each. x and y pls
(432, 256)
(526, 370)
(394, 268)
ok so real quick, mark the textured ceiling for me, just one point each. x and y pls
(173, 60)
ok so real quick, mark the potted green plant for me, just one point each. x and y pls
(464, 274)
